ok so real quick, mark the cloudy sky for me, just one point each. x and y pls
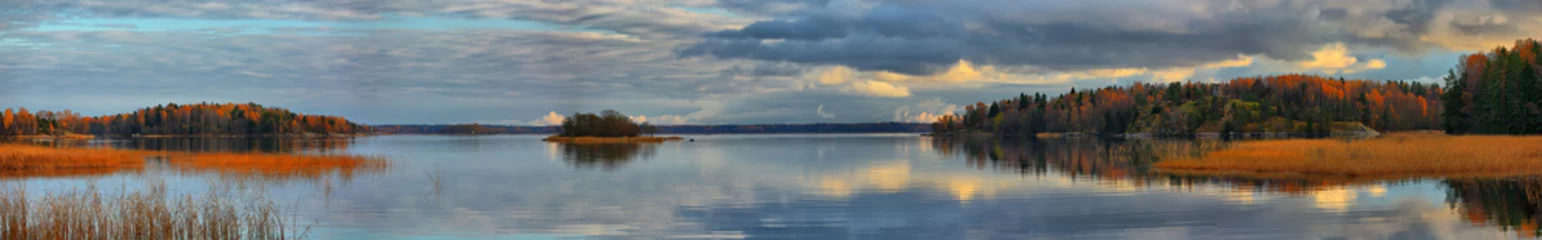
(702, 61)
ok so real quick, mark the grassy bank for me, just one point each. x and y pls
(141, 214)
(1395, 156)
(560, 139)
(35, 161)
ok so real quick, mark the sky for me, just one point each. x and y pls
(526, 62)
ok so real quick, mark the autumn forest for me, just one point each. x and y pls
(178, 120)
(1496, 92)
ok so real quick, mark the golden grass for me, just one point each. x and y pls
(34, 161)
(1395, 156)
(141, 214)
(560, 139)
(275, 165)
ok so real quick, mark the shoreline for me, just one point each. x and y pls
(303, 135)
(581, 140)
(1200, 135)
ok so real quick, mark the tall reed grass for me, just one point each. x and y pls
(140, 214)
(1395, 156)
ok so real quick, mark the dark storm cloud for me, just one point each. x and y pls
(919, 37)
(916, 38)
(648, 18)
(771, 7)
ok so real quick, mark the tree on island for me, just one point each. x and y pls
(608, 123)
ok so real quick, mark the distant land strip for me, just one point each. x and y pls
(884, 127)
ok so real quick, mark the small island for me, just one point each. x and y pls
(609, 126)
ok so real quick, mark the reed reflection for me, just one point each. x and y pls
(604, 156)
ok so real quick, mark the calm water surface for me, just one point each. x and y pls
(833, 187)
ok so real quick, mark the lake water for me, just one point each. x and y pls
(870, 186)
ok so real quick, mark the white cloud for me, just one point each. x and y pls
(1333, 56)
(821, 112)
(878, 89)
(924, 112)
(966, 72)
(550, 119)
(835, 75)
(669, 120)
(1335, 59)
(960, 72)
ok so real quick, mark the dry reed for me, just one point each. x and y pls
(277, 166)
(36, 161)
(1395, 156)
(140, 214)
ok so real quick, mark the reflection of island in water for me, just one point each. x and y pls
(1509, 203)
(606, 156)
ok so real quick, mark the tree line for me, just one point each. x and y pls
(880, 127)
(1294, 103)
(172, 119)
(1496, 92)
(608, 123)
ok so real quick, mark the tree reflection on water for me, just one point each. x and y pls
(607, 156)
(1508, 203)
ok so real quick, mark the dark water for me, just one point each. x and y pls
(838, 187)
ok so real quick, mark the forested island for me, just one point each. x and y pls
(201, 119)
(609, 126)
(1496, 92)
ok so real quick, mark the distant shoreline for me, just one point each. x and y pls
(810, 128)
(1350, 130)
(560, 139)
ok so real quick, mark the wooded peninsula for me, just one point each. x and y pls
(1496, 92)
(201, 119)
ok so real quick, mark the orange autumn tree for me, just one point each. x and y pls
(173, 119)
(1295, 103)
